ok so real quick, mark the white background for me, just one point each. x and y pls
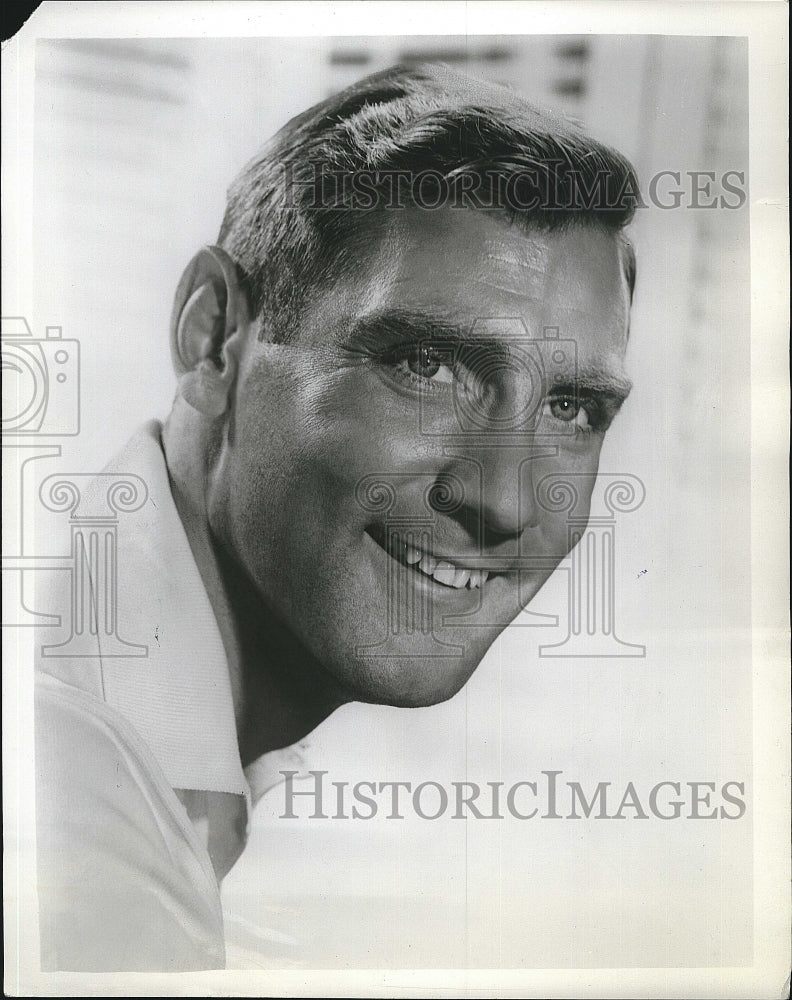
(128, 187)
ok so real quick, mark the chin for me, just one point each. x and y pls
(413, 681)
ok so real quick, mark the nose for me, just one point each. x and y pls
(500, 451)
(499, 485)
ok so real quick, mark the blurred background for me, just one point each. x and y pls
(136, 143)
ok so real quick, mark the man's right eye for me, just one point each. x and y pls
(427, 363)
(423, 364)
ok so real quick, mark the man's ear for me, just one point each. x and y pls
(209, 320)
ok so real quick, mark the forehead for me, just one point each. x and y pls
(464, 266)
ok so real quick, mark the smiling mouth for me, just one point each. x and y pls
(442, 571)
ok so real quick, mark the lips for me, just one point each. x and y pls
(443, 571)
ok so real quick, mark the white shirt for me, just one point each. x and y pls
(142, 802)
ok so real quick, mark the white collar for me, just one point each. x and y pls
(178, 694)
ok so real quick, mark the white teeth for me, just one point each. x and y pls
(443, 571)
(428, 564)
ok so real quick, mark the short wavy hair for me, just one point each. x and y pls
(477, 144)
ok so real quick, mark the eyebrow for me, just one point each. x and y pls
(393, 326)
(598, 378)
(408, 325)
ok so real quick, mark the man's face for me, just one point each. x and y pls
(378, 482)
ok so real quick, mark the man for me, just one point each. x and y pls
(412, 328)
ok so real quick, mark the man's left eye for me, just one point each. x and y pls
(568, 409)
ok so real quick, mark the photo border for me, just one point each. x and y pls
(766, 26)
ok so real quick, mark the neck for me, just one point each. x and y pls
(280, 690)
(285, 691)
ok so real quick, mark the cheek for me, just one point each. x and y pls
(351, 427)
(291, 469)
(563, 486)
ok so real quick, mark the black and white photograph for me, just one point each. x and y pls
(395, 439)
